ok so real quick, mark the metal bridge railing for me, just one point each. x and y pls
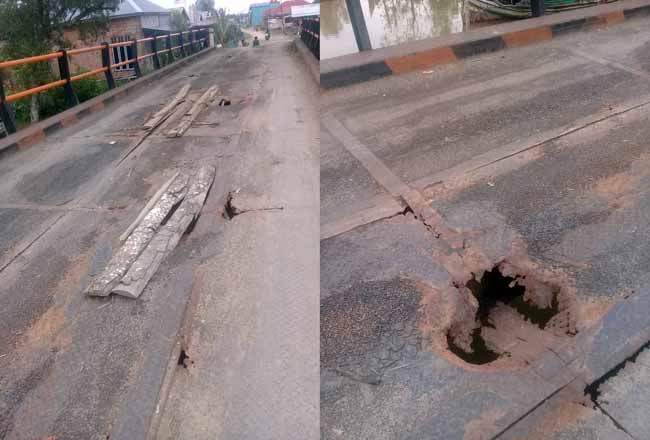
(310, 35)
(197, 40)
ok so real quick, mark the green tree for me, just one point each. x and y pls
(178, 21)
(224, 30)
(205, 5)
(35, 27)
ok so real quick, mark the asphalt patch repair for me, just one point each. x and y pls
(370, 328)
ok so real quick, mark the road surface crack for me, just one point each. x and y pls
(242, 204)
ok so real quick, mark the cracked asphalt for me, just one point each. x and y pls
(541, 149)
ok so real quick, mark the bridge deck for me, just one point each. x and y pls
(546, 145)
(72, 366)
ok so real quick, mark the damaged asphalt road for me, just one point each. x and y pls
(513, 288)
(74, 366)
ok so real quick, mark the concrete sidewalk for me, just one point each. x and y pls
(531, 159)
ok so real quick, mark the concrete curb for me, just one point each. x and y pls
(309, 59)
(417, 55)
(27, 137)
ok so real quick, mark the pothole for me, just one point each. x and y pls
(183, 359)
(516, 314)
(230, 211)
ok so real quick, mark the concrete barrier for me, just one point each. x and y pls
(309, 58)
(423, 54)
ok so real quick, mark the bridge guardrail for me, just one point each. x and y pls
(198, 40)
(310, 35)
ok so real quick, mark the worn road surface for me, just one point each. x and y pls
(529, 165)
(75, 367)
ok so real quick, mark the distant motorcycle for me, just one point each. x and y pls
(267, 37)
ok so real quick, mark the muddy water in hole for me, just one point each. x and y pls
(389, 22)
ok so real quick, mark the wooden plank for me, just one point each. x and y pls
(162, 113)
(194, 112)
(152, 201)
(139, 239)
(166, 239)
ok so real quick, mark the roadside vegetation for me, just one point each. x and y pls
(35, 27)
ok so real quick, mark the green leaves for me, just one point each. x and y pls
(178, 21)
(35, 27)
(205, 5)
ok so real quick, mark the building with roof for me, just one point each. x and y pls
(311, 10)
(280, 17)
(284, 9)
(132, 20)
(256, 12)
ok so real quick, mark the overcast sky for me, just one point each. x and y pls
(232, 6)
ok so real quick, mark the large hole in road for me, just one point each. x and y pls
(512, 310)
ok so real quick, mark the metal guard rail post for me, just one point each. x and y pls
(154, 49)
(64, 73)
(5, 111)
(106, 64)
(180, 43)
(170, 52)
(136, 60)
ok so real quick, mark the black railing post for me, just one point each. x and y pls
(5, 110)
(154, 49)
(169, 46)
(537, 8)
(106, 62)
(180, 41)
(358, 24)
(192, 48)
(136, 62)
(64, 73)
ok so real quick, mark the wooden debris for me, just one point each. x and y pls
(148, 207)
(139, 238)
(190, 116)
(153, 123)
(161, 114)
(166, 239)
